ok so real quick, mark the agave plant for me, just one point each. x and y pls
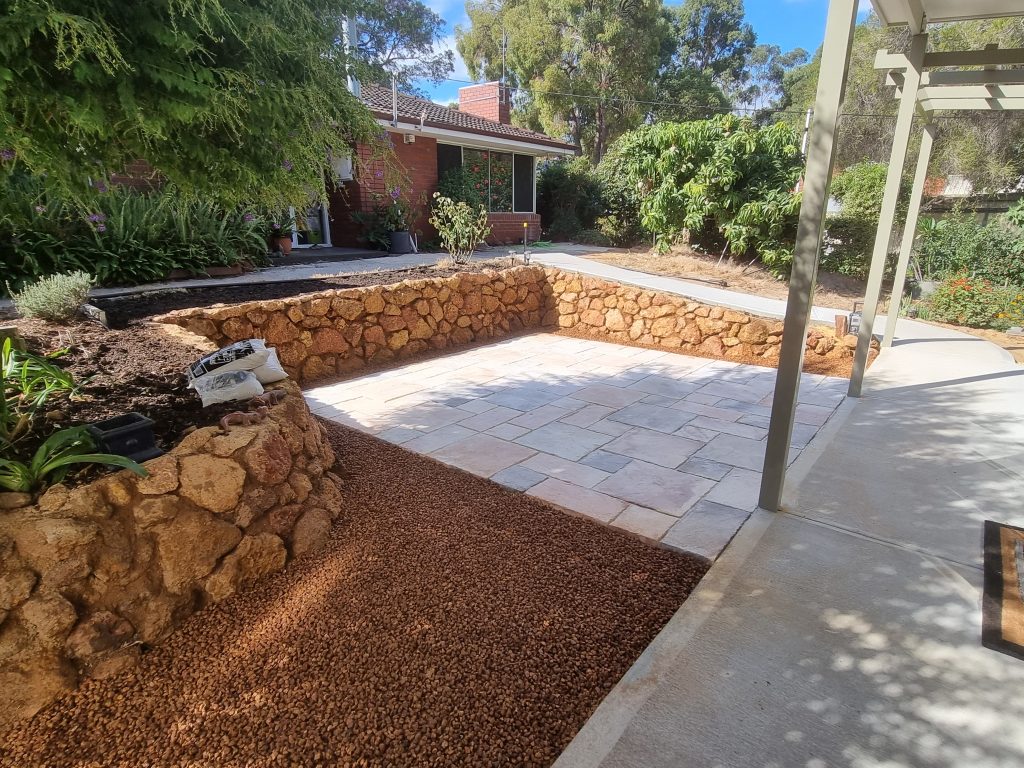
(54, 458)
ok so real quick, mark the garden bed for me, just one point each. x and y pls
(121, 310)
(447, 622)
(140, 368)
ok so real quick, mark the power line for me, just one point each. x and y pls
(715, 109)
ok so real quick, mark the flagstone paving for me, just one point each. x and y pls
(663, 445)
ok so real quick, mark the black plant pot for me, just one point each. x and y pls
(401, 242)
(128, 435)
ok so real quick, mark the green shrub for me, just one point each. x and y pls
(726, 175)
(959, 243)
(970, 301)
(56, 298)
(126, 238)
(459, 227)
(859, 189)
(568, 198)
(459, 184)
(620, 220)
(847, 245)
(593, 237)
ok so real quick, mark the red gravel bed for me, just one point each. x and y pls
(448, 622)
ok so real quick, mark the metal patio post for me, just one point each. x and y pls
(909, 232)
(890, 199)
(835, 61)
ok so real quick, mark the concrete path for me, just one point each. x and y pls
(755, 305)
(664, 445)
(845, 631)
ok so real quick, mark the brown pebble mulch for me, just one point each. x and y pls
(448, 622)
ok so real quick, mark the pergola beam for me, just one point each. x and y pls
(990, 57)
(994, 104)
(835, 62)
(887, 216)
(973, 77)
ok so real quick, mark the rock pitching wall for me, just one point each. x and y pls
(320, 335)
(623, 313)
(89, 574)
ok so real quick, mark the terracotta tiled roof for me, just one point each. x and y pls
(410, 108)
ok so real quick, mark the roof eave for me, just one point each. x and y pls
(545, 143)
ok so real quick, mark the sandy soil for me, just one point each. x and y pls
(449, 622)
(833, 290)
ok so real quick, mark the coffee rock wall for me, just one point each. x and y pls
(627, 314)
(320, 335)
(90, 574)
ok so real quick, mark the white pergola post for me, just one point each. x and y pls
(909, 232)
(835, 61)
(890, 199)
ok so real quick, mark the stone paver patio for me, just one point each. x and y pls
(664, 445)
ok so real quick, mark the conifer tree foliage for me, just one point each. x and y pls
(238, 101)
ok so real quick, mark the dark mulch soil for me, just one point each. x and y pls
(448, 622)
(140, 368)
(122, 310)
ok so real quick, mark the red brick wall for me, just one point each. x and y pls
(417, 163)
(484, 101)
(508, 227)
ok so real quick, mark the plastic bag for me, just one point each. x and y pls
(271, 370)
(240, 356)
(226, 386)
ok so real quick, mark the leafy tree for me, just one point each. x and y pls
(765, 73)
(231, 100)
(399, 38)
(724, 174)
(684, 94)
(583, 69)
(713, 38)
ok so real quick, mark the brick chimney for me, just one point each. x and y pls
(486, 101)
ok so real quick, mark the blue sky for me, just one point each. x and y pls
(786, 23)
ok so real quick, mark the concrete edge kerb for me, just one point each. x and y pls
(603, 729)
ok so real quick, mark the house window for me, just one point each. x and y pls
(522, 175)
(501, 181)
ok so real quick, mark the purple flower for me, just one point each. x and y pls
(287, 165)
(395, 193)
(248, 217)
(379, 175)
(40, 209)
(97, 217)
(100, 187)
(101, 227)
(6, 155)
(275, 225)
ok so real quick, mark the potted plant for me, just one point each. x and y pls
(281, 234)
(396, 218)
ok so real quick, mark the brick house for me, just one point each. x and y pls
(429, 140)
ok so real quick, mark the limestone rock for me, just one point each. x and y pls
(754, 332)
(162, 478)
(212, 482)
(102, 631)
(254, 557)
(269, 459)
(15, 587)
(48, 618)
(13, 500)
(190, 545)
(56, 548)
(150, 512)
(238, 437)
(311, 532)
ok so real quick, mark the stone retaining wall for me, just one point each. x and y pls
(89, 574)
(624, 313)
(320, 335)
